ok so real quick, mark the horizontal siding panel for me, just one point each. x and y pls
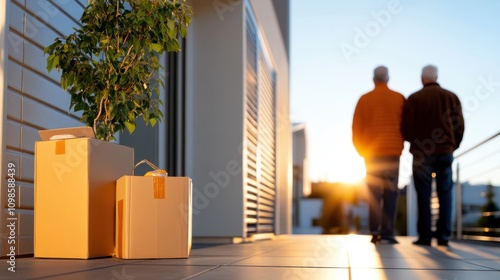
(15, 158)
(41, 36)
(26, 244)
(32, 112)
(16, 18)
(42, 89)
(73, 8)
(15, 47)
(14, 76)
(24, 231)
(34, 56)
(5, 233)
(14, 105)
(12, 134)
(27, 168)
(35, 59)
(29, 137)
(26, 223)
(26, 196)
(53, 16)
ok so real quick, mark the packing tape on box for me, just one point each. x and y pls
(158, 178)
(60, 147)
(156, 171)
(120, 228)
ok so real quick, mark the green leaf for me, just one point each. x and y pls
(183, 30)
(156, 47)
(152, 121)
(130, 127)
(64, 83)
(171, 28)
(52, 62)
(173, 45)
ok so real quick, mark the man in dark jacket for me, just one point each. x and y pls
(434, 125)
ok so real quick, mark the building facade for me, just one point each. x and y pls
(226, 110)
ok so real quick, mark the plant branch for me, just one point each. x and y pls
(98, 114)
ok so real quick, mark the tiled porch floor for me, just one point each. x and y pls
(294, 257)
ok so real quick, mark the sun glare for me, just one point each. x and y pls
(350, 170)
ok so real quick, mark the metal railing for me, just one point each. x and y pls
(478, 191)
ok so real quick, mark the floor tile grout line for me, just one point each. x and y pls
(201, 273)
(426, 269)
(224, 265)
(480, 265)
(290, 266)
(76, 271)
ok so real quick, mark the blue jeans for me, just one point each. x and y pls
(382, 174)
(422, 177)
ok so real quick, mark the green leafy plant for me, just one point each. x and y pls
(110, 65)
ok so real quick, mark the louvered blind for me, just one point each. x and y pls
(260, 135)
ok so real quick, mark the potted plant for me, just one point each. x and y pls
(110, 65)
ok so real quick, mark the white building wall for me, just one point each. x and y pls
(266, 16)
(215, 126)
(214, 122)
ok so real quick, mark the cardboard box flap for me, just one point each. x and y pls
(65, 133)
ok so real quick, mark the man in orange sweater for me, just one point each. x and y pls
(376, 135)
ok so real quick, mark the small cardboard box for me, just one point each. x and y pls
(75, 182)
(154, 217)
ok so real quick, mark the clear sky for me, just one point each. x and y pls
(336, 44)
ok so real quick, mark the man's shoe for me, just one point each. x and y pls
(375, 239)
(442, 242)
(422, 242)
(390, 240)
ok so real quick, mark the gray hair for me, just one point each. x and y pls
(381, 74)
(429, 74)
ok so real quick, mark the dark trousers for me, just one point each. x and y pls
(382, 175)
(422, 177)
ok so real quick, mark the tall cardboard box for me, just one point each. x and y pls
(154, 217)
(75, 182)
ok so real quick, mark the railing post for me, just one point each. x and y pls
(459, 203)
